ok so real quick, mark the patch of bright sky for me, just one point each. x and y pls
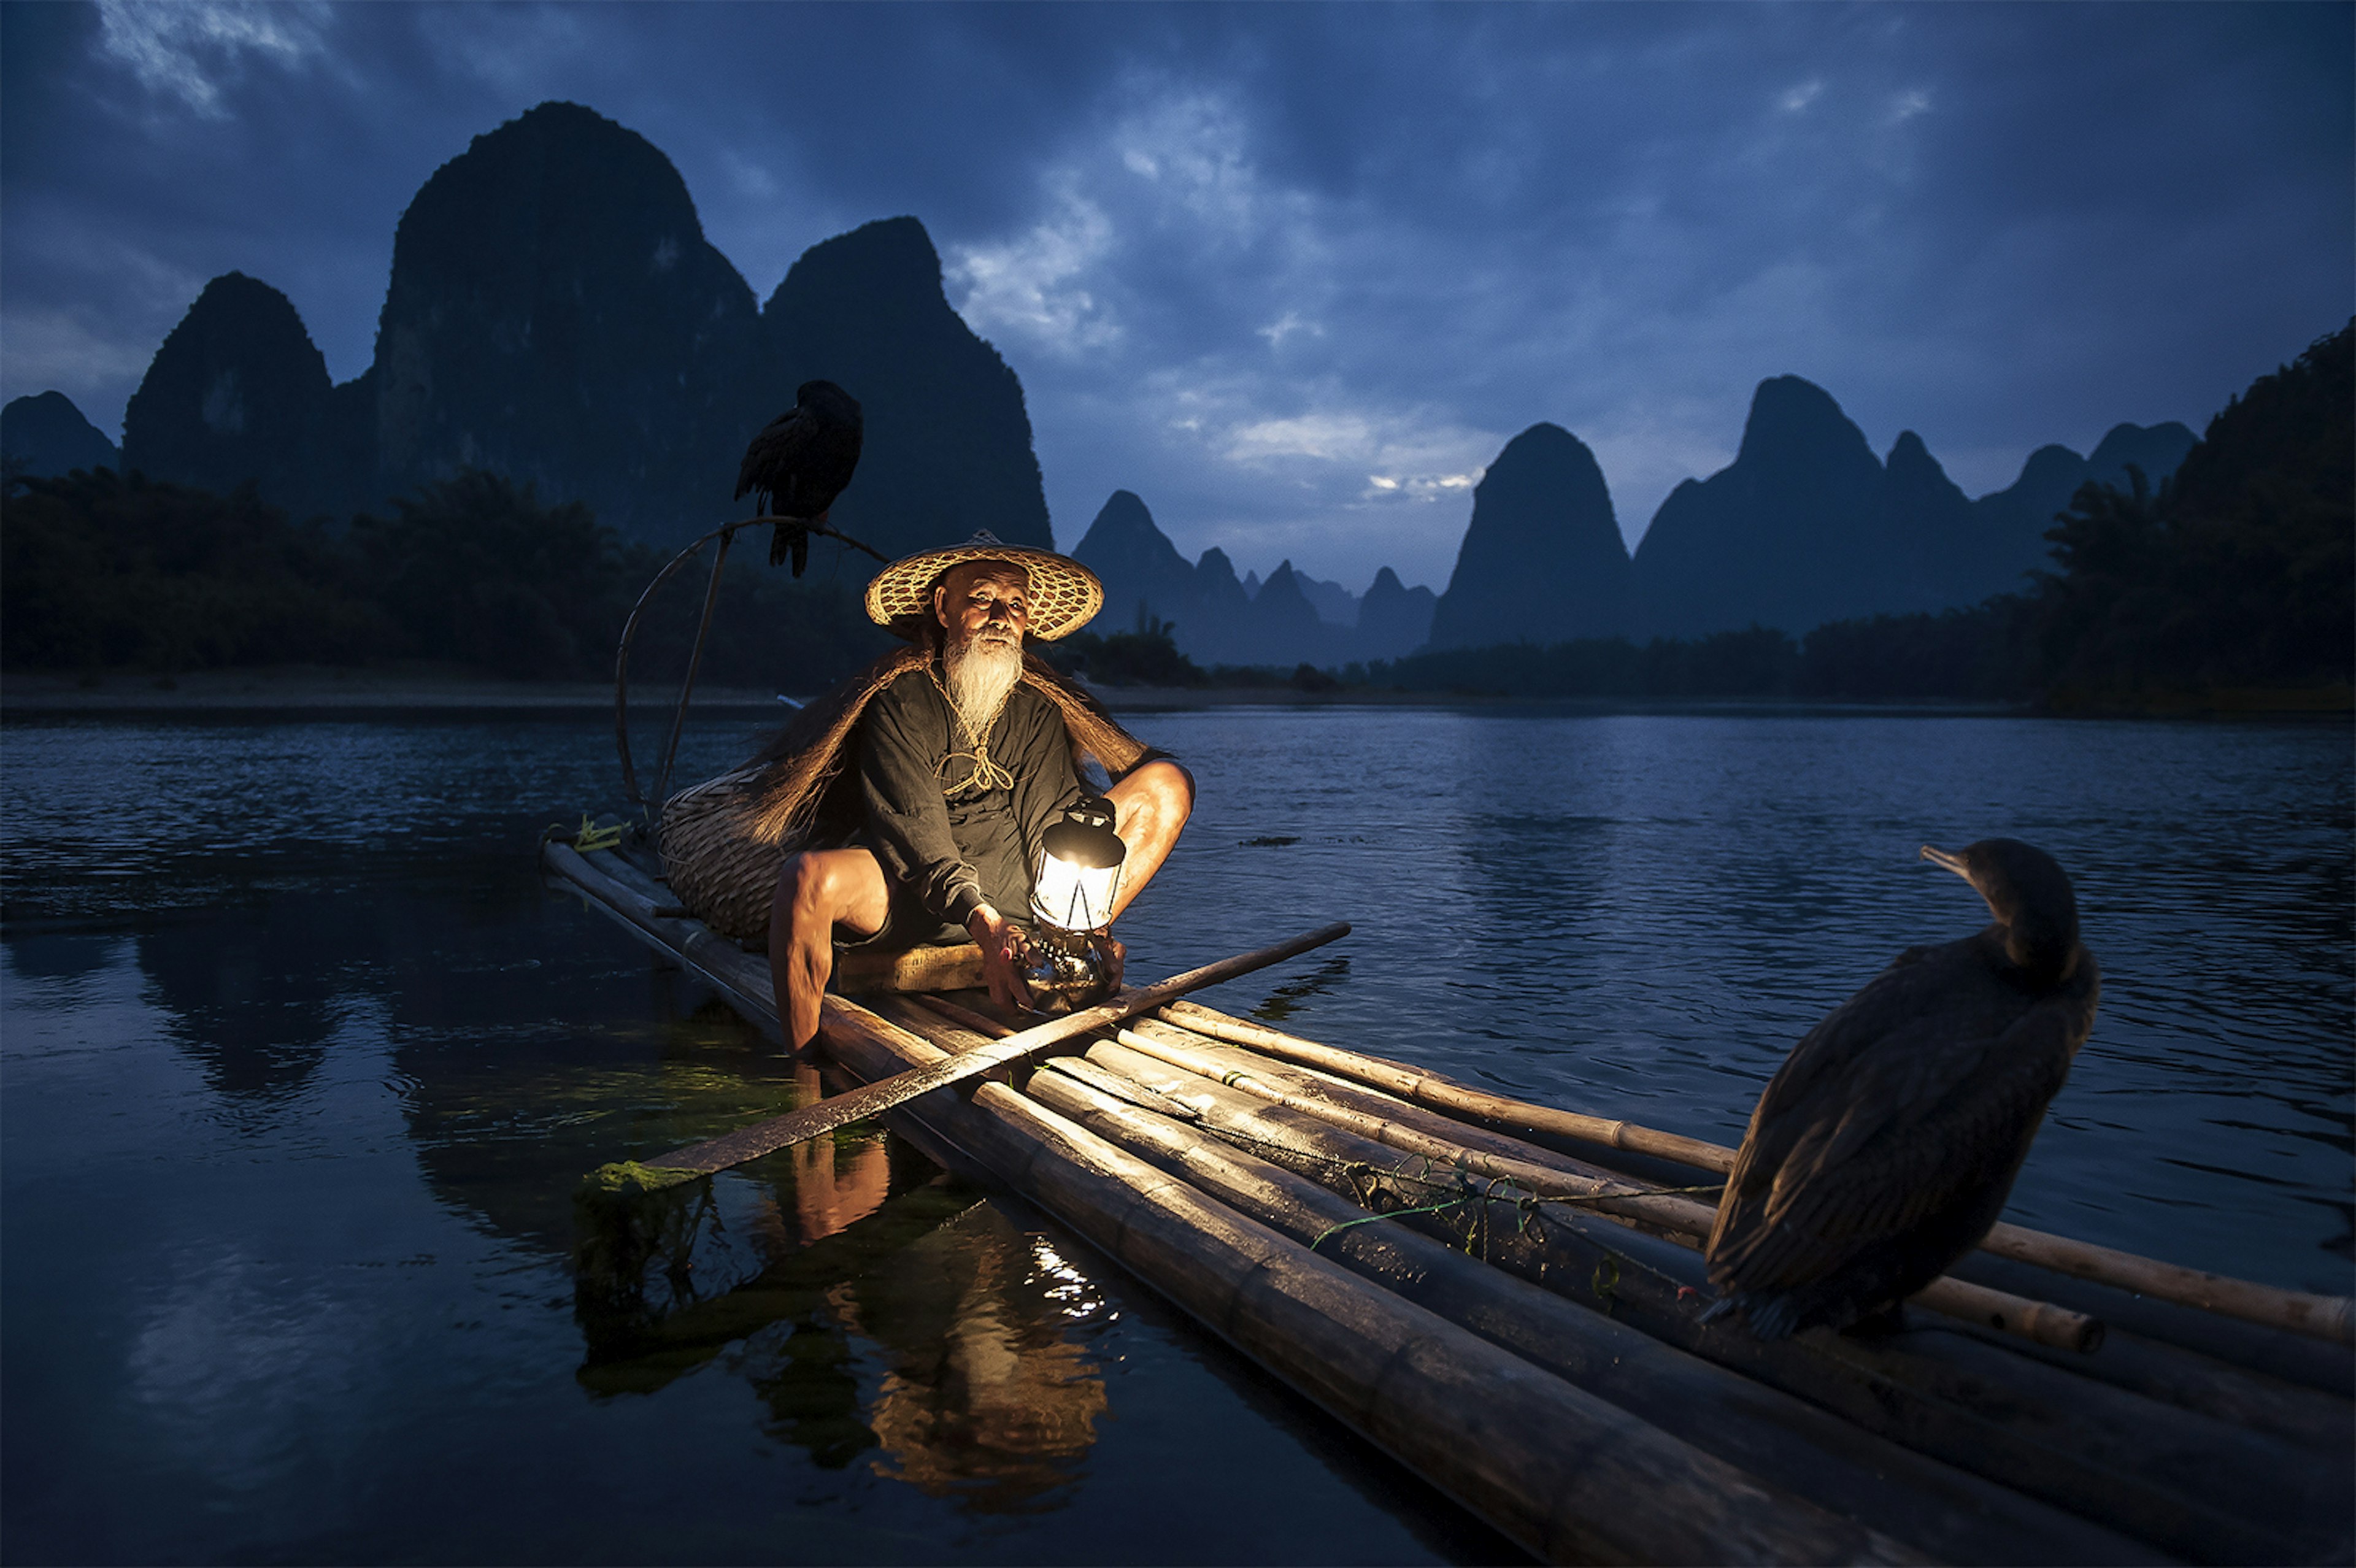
(188, 48)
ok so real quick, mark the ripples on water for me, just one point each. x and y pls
(300, 1063)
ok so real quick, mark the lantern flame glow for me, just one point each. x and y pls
(1079, 869)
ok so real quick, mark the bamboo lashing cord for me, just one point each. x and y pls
(2329, 1317)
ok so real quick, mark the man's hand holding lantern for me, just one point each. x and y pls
(1004, 951)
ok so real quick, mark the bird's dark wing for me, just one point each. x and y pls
(803, 458)
(1826, 1054)
(772, 459)
(1917, 1102)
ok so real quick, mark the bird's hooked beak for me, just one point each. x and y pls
(1948, 858)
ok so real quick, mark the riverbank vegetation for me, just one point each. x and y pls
(103, 572)
(2234, 583)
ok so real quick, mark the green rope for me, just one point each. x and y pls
(1527, 1204)
(1370, 1219)
(592, 837)
(588, 836)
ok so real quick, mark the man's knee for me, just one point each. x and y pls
(1164, 788)
(820, 888)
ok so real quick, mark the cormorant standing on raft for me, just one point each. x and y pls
(1886, 1144)
(799, 464)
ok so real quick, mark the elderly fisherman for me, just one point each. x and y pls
(907, 807)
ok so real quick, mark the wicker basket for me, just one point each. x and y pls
(719, 869)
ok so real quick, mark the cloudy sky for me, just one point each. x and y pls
(1295, 273)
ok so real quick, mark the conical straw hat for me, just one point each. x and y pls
(1064, 594)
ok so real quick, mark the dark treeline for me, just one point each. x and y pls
(106, 572)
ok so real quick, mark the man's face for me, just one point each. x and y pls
(986, 600)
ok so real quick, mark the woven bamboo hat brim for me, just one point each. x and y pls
(1065, 595)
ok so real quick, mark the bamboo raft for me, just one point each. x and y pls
(1506, 1298)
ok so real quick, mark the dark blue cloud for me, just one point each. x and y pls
(1294, 273)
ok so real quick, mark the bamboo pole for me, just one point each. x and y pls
(774, 1133)
(2329, 1317)
(1568, 1475)
(1423, 1088)
(1680, 1216)
(613, 889)
(2191, 1486)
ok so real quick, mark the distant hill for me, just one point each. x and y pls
(1542, 559)
(1792, 532)
(2013, 521)
(1337, 605)
(948, 445)
(1291, 619)
(239, 392)
(1142, 571)
(46, 436)
(555, 315)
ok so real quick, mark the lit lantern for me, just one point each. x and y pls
(1071, 898)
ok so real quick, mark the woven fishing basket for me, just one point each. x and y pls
(715, 863)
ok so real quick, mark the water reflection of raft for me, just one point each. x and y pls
(1524, 1332)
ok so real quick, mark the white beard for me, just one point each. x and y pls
(981, 675)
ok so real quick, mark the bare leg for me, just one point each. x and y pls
(1150, 805)
(817, 890)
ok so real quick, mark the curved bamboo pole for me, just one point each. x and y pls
(2330, 1318)
(725, 533)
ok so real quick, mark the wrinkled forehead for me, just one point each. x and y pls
(962, 577)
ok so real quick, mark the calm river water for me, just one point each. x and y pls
(302, 1062)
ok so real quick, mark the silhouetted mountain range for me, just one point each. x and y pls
(1802, 527)
(1289, 619)
(555, 315)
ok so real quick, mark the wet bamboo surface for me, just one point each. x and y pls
(1530, 1342)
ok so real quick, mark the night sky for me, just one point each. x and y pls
(1294, 273)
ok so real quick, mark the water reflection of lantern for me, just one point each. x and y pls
(1071, 901)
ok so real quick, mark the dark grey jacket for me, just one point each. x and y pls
(953, 852)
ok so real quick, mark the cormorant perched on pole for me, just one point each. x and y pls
(799, 464)
(1886, 1144)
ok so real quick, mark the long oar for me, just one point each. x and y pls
(825, 1116)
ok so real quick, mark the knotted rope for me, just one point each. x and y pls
(987, 774)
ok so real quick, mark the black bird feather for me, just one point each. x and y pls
(800, 462)
(1886, 1144)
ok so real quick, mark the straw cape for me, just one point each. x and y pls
(1065, 595)
(724, 841)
